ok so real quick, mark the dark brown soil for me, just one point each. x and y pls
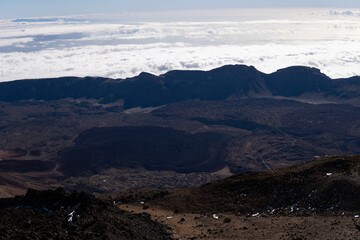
(47, 214)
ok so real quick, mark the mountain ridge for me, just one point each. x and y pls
(148, 90)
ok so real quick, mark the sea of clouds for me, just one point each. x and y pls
(125, 45)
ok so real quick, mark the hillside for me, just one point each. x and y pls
(322, 186)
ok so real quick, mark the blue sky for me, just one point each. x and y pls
(38, 8)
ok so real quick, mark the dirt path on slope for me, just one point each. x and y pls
(229, 226)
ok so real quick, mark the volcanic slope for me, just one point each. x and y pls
(321, 186)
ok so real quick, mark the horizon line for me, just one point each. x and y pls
(181, 70)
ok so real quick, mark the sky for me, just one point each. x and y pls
(119, 39)
(37, 8)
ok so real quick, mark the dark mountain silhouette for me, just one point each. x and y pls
(147, 90)
(217, 84)
(294, 81)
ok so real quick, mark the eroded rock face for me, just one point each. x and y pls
(61, 215)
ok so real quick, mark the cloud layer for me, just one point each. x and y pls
(85, 46)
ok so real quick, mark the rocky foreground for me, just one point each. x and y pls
(60, 215)
(316, 200)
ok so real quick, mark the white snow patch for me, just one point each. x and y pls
(71, 215)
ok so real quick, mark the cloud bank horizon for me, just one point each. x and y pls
(120, 46)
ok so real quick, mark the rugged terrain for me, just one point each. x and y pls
(316, 200)
(180, 129)
(60, 215)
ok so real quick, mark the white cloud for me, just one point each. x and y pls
(344, 13)
(4, 42)
(58, 48)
